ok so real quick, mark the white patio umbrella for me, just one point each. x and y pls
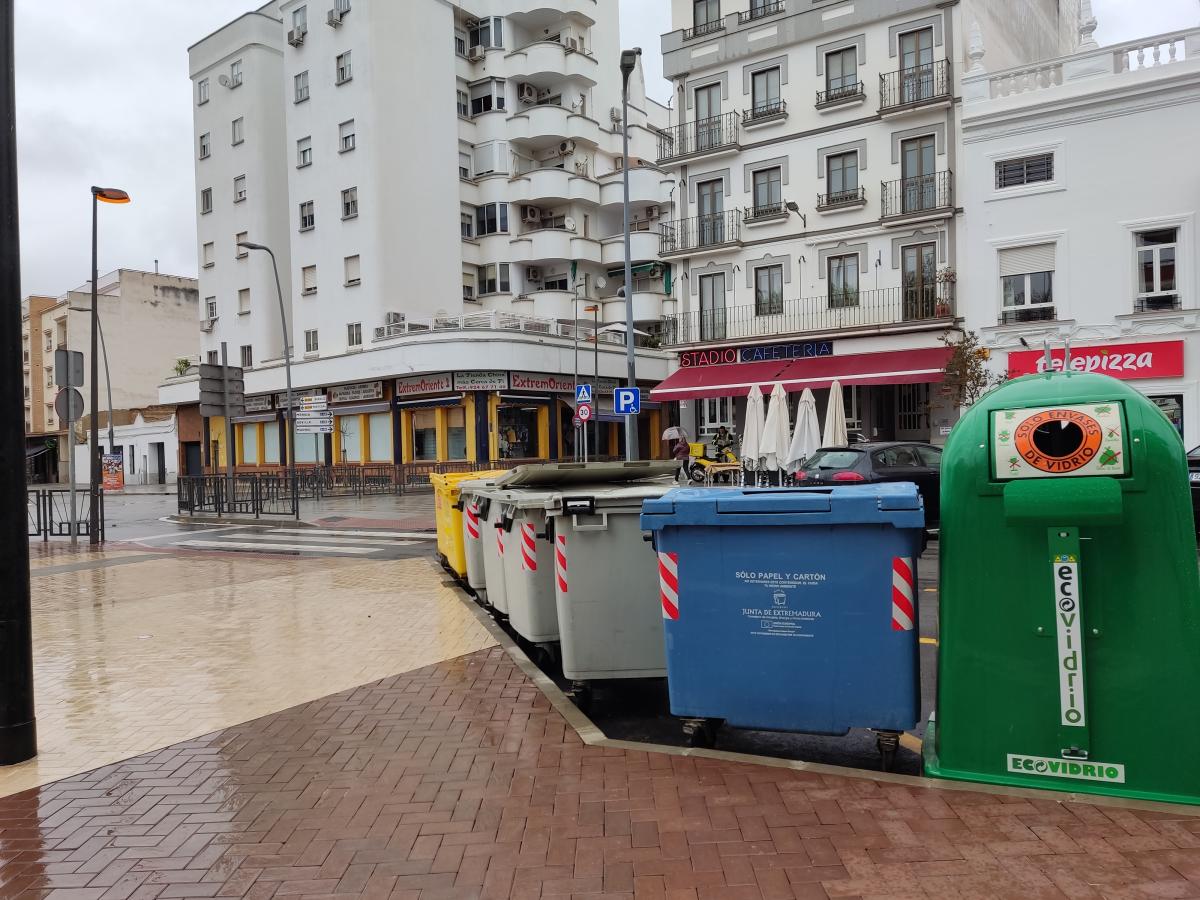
(777, 431)
(807, 439)
(835, 419)
(752, 431)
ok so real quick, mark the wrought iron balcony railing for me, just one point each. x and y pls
(843, 94)
(698, 137)
(832, 312)
(764, 211)
(915, 86)
(761, 11)
(1015, 315)
(701, 30)
(837, 199)
(921, 194)
(701, 232)
(767, 110)
(1157, 303)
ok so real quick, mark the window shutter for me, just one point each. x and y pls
(310, 277)
(352, 270)
(1023, 260)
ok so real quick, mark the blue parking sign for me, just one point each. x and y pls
(627, 401)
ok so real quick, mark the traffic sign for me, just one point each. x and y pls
(583, 412)
(313, 429)
(583, 393)
(68, 405)
(576, 421)
(68, 368)
(320, 402)
(627, 401)
(314, 418)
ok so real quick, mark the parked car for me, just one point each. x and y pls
(1193, 459)
(883, 461)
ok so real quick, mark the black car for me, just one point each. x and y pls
(883, 461)
(1194, 478)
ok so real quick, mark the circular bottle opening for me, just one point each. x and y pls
(1058, 439)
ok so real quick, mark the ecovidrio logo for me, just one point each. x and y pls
(1113, 773)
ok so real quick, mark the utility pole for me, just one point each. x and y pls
(629, 60)
(18, 726)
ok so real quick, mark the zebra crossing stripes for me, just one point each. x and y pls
(308, 542)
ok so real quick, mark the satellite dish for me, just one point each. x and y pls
(601, 282)
(569, 223)
(224, 81)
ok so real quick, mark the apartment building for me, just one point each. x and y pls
(441, 185)
(1080, 192)
(41, 447)
(815, 146)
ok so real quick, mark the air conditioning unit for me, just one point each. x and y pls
(533, 273)
(472, 23)
(334, 18)
(207, 325)
(571, 44)
(569, 223)
(614, 113)
(475, 54)
(296, 36)
(531, 215)
(527, 93)
(394, 318)
(566, 148)
(653, 212)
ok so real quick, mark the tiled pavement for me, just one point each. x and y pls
(461, 780)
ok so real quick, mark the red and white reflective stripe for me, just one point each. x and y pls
(560, 562)
(500, 542)
(904, 610)
(668, 585)
(528, 547)
(473, 521)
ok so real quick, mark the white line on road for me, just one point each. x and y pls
(320, 540)
(412, 535)
(185, 531)
(274, 548)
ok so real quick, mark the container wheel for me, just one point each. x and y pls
(701, 733)
(888, 743)
(580, 693)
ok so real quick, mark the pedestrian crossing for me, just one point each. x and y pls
(357, 543)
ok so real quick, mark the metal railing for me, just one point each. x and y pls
(494, 321)
(835, 199)
(770, 8)
(48, 513)
(915, 86)
(924, 193)
(839, 94)
(699, 232)
(701, 30)
(1018, 314)
(1157, 303)
(767, 110)
(699, 136)
(831, 312)
(766, 211)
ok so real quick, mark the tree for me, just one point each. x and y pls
(182, 365)
(966, 375)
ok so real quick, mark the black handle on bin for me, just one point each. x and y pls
(548, 534)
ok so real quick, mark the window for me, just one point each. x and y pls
(206, 201)
(1026, 170)
(424, 433)
(843, 281)
(491, 218)
(49, 339)
(207, 255)
(487, 95)
(300, 19)
(270, 455)
(463, 100)
(247, 356)
(350, 203)
(235, 73)
(1157, 282)
(353, 271)
(841, 170)
(210, 307)
(488, 33)
(201, 91)
(556, 283)
(308, 280)
(205, 146)
(249, 432)
(354, 334)
(342, 7)
(349, 432)
(238, 130)
(841, 73)
(379, 435)
(308, 216)
(468, 285)
(49, 378)
(310, 341)
(768, 191)
(456, 433)
(464, 165)
(706, 12)
(239, 189)
(345, 70)
(768, 291)
(346, 140)
(243, 301)
(765, 92)
(494, 279)
(1027, 283)
(301, 85)
(237, 239)
(303, 152)
(212, 358)
(460, 42)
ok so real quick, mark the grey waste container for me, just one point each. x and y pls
(529, 564)
(493, 544)
(476, 538)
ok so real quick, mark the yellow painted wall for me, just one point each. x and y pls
(216, 433)
(543, 437)
(406, 429)
(472, 448)
(656, 446)
(443, 434)
(494, 426)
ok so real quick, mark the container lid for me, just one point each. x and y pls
(896, 504)
(568, 473)
(589, 497)
(456, 481)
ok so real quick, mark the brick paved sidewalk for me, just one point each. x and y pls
(461, 780)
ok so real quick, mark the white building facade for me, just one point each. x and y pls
(815, 151)
(1081, 194)
(441, 186)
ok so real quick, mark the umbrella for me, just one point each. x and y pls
(777, 431)
(620, 327)
(674, 433)
(752, 432)
(807, 439)
(835, 419)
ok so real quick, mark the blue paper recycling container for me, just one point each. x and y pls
(791, 609)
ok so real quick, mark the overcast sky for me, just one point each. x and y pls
(104, 98)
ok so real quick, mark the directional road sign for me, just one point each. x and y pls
(313, 429)
(68, 405)
(68, 368)
(583, 393)
(627, 401)
(583, 412)
(314, 418)
(321, 402)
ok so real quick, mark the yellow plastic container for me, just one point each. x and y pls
(449, 515)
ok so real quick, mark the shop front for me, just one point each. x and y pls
(362, 424)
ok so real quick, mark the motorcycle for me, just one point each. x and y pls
(702, 467)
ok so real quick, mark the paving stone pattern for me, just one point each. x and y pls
(460, 780)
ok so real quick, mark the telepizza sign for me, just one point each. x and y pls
(1156, 359)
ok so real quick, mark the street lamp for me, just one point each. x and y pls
(99, 195)
(629, 62)
(287, 365)
(595, 310)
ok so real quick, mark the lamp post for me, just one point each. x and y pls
(595, 310)
(629, 61)
(287, 365)
(99, 195)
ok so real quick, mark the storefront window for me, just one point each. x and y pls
(1172, 407)
(310, 448)
(380, 425)
(456, 433)
(350, 428)
(271, 443)
(425, 434)
(715, 412)
(518, 432)
(249, 444)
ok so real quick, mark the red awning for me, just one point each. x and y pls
(892, 367)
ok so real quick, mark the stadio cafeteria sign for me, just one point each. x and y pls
(1156, 359)
(720, 356)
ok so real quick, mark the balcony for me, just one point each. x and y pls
(647, 185)
(708, 28)
(714, 136)
(1019, 315)
(546, 304)
(545, 125)
(553, 186)
(764, 114)
(643, 246)
(922, 197)
(845, 95)
(761, 11)
(648, 306)
(702, 234)
(768, 212)
(1157, 303)
(915, 88)
(835, 201)
(552, 59)
(538, 245)
(867, 310)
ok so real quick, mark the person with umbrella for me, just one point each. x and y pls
(680, 450)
